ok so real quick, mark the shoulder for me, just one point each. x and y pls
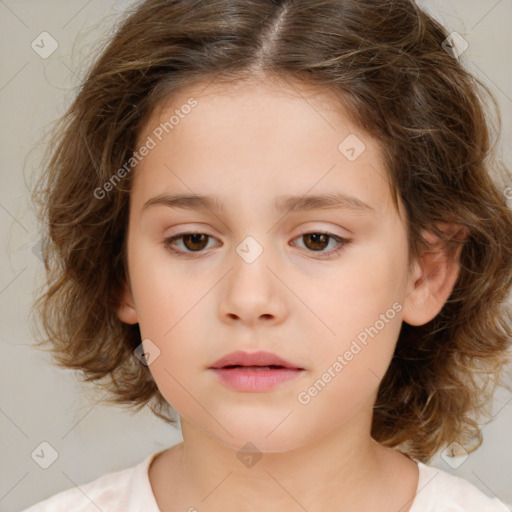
(439, 491)
(125, 490)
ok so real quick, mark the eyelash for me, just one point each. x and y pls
(344, 242)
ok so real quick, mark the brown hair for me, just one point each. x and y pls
(386, 64)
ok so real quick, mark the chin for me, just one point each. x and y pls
(260, 436)
(259, 444)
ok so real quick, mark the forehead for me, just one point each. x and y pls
(279, 102)
(284, 135)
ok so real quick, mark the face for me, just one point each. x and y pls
(322, 284)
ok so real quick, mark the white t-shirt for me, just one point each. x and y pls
(129, 490)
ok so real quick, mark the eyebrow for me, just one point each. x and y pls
(283, 203)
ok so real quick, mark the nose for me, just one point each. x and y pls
(253, 292)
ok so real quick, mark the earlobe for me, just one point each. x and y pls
(126, 311)
(434, 276)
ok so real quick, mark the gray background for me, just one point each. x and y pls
(40, 403)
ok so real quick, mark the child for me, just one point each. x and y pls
(278, 218)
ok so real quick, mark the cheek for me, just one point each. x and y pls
(363, 286)
(163, 293)
(362, 308)
(168, 305)
(349, 367)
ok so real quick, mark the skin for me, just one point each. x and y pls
(248, 144)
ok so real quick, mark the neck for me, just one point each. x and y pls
(345, 470)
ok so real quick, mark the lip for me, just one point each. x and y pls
(260, 358)
(239, 371)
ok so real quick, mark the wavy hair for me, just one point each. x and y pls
(386, 63)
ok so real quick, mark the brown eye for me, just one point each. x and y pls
(316, 241)
(195, 241)
(190, 243)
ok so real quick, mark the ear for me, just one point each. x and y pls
(126, 311)
(434, 275)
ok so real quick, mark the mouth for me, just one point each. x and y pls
(270, 367)
(253, 360)
(254, 372)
